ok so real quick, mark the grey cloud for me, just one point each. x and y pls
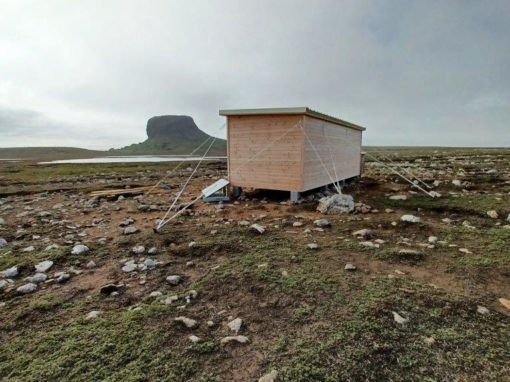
(413, 72)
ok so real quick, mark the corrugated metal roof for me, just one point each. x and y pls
(289, 111)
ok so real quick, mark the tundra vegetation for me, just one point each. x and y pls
(90, 292)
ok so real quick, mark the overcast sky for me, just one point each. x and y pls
(90, 73)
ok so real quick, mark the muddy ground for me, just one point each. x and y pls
(424, 302)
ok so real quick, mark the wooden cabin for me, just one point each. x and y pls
(290, 149)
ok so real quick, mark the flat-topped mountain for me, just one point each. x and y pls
(174, 134)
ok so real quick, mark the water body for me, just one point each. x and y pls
(134, 159)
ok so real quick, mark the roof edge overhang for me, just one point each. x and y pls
(291, 111)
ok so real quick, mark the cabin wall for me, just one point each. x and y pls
(280, 165)
(339, 148)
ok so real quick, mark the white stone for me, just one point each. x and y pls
(398, 197)
(399, 319)
(28, 249)
(51, 247)
(38, 278)
(93, 314)
(322, 223)
(350, 267)
(138, 250)
(130, 230)
(194, 339)
(10, 272)
(257, 228)
(91, 264)
(457, 182)
(410, 219)
(44, 266)
(337, 203)
(433, 239)
(27, 288)
(235, 325)
(482, 309)
(3, 242)
(129, 267)
(492, 214)
(312, 246)
(269, 377)
(173, 279)
(240, 339)
(80, 249)
(150, 264)
(188, 322)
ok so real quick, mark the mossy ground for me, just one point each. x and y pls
(305, 316)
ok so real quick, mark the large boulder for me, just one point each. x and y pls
(336, 204)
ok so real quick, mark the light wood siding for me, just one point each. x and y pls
(339, 148)
(279, 166)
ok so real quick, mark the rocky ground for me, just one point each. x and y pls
(403, 287)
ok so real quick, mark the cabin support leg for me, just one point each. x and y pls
(294, 196)
(236, 191)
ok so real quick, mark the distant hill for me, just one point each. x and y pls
(173, 134)
(48, 153)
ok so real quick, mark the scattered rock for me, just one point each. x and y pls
(3, 242)
(350, 267)
(239, 339)
(130, 230)
(173, 280)
(398, 197)
(138, 250)
(27, 288)
(194, 339)
(433, 239)
(51, 247)
(80, 249)
(493, 214)
(126, 222)
(129, 267)
(399, 319)
(482, 309)
(457, 182)
(93, 314)
(312, 246)
(9, 273)
(365, 234)
(38, 278)
(336, 204)
(235, 325)
(410, 219)
(187, 322)
(257, 228)
(505, 303)
(28, 249)
(149, 263)
(269, 377)
(322, 223)
(62, 277)
(44, 266)
(91, 264)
